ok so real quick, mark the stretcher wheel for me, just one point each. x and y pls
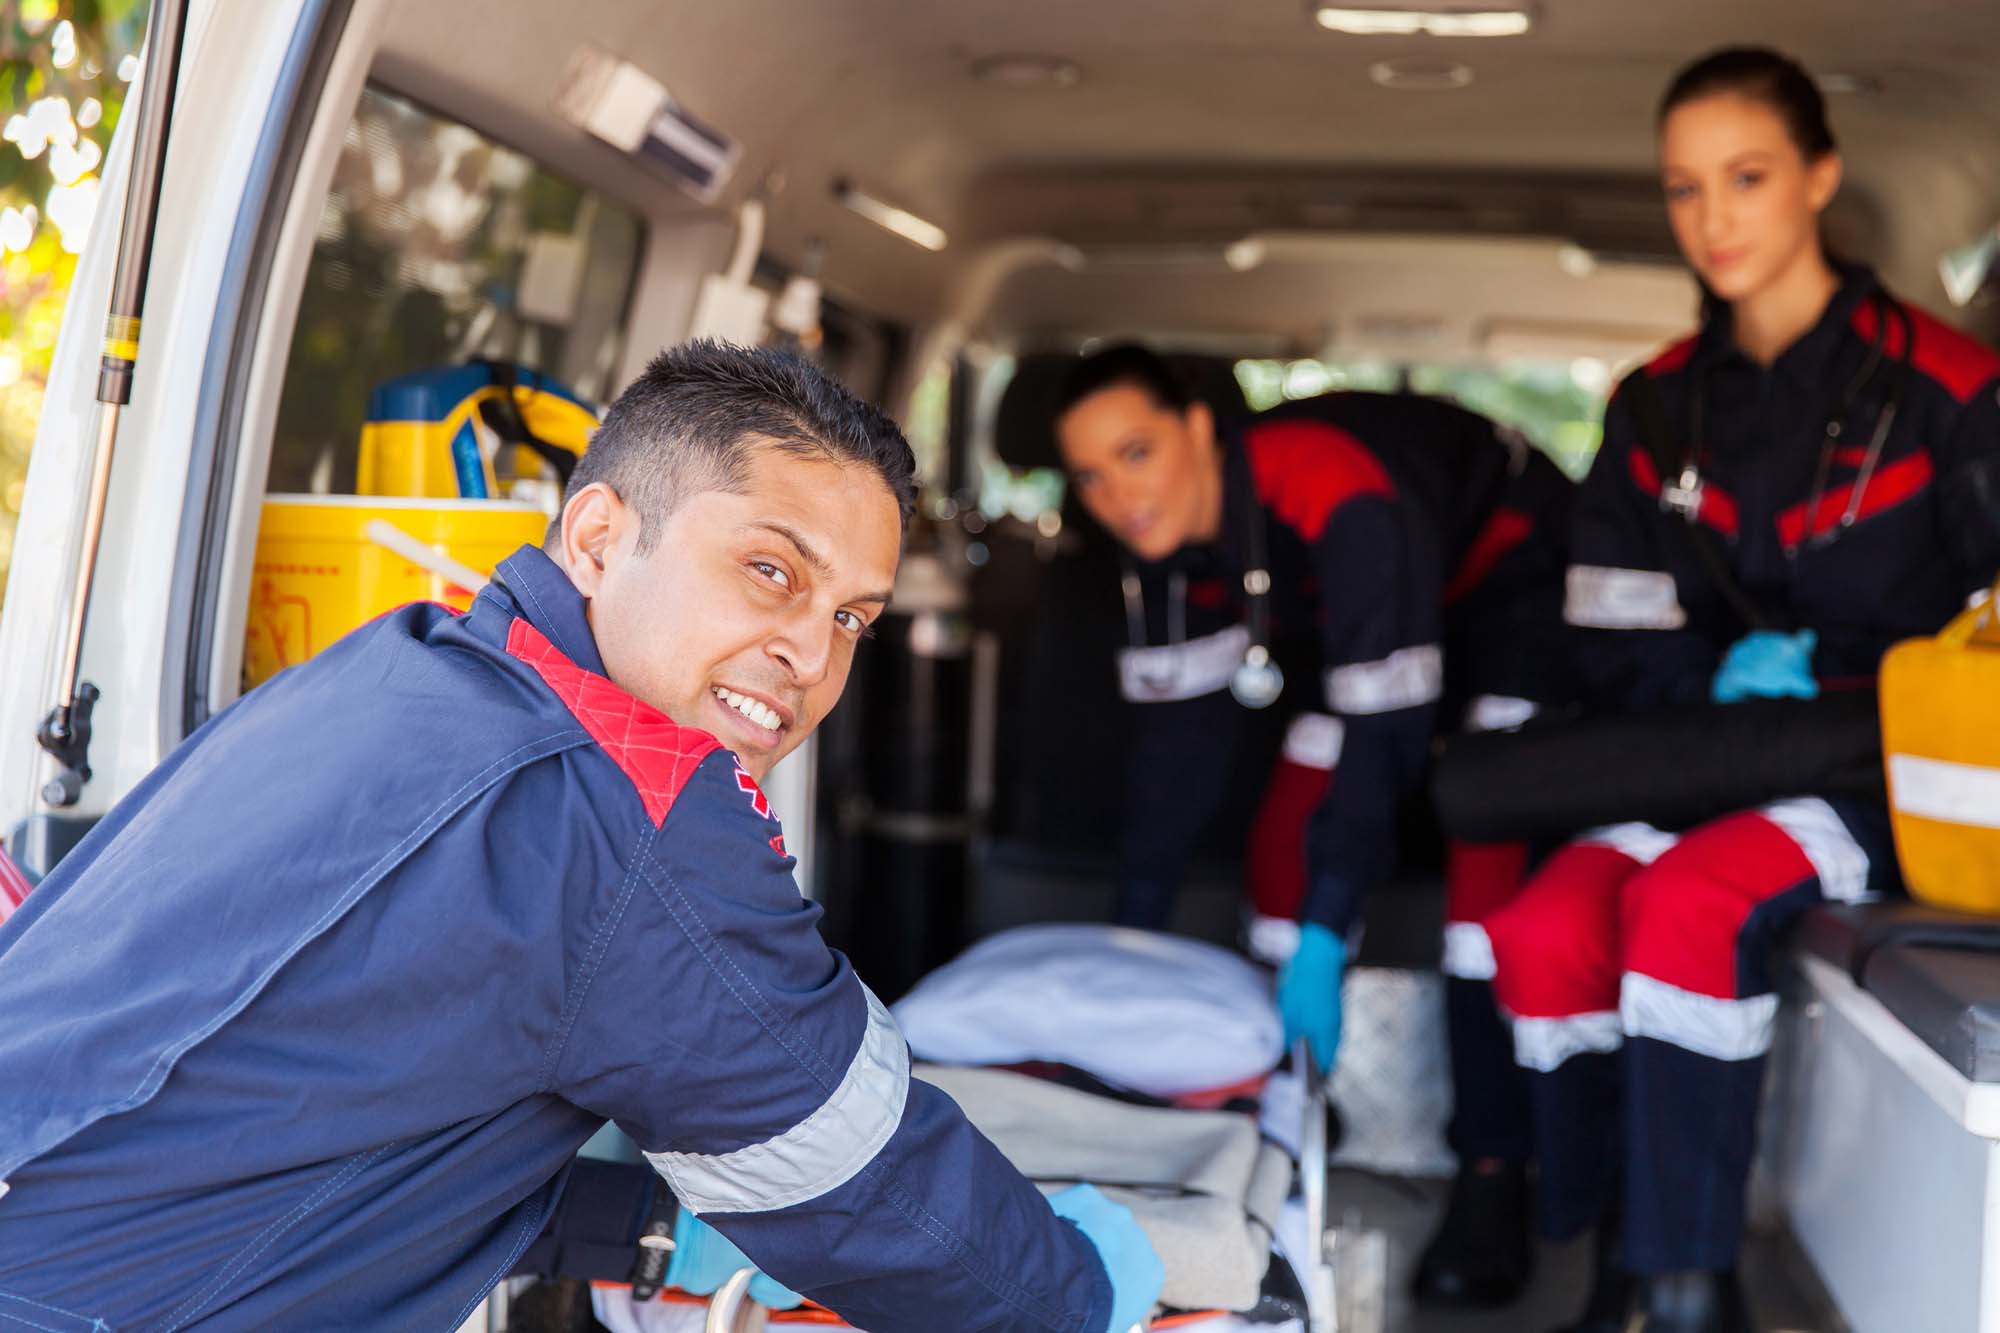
(731, 1310)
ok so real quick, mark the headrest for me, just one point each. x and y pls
(1024, 425)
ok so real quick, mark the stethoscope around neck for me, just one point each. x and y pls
(1684, 495)
(1257, 681)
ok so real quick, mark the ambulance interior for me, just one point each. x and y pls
(982, 189)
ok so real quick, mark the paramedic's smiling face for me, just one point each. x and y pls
(1150, 474)
(742, 618)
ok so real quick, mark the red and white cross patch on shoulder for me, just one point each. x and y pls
(760, 803)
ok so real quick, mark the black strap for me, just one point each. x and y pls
(655, 1246)
(503, 416)
(1649, 418)
(1960, 935)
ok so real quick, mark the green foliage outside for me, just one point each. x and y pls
(64, 69)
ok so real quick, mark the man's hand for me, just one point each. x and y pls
(1309, 992)
(704, 1259)
(1135, 1271)
(1765, 664)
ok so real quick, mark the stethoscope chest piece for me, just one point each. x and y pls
(1257, 681)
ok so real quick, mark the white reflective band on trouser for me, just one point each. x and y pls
(1836, 857)
(1313, 740)
(1542, 1044)
(1642, 842)
(1468, 953)
(1176, 671)
(1498, 712)
(1404, 679)
(1273, 939)
(1949, 792)
(820, 1153)
(1705, 1024)
(1600, 597)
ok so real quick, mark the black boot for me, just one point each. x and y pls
(1483, 1252)
(1609, 1307)
(1695, 1301)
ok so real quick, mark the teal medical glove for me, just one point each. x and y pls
(1765, 664)
(704, 1258)
(1136, 1272)
(1309, 992)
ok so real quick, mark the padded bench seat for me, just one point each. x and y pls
(1936, 971)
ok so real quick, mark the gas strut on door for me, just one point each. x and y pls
(65, 732)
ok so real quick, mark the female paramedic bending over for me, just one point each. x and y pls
(1840, 450)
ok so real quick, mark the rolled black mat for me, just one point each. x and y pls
(1674, 768)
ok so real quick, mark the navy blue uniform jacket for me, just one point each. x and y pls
(306, 1031)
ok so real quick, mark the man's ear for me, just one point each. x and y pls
(591, 522)
(1201, 424)
(1823, 180)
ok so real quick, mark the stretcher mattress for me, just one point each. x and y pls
(1157, 1014)
(1204, 1185)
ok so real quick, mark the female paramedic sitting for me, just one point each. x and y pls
(1839, 453)
(1403, 556)
(306, 1033)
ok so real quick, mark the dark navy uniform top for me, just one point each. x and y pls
(306, 1032)
(1416, 563)
(1874, 557)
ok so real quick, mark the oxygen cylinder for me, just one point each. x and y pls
(908, 906)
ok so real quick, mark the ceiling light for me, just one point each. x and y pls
(1576, 261)
(915, 230)
(1027, 70)
(1483, 20)
(1244, 255)
(1415, 75)
(1838, 83)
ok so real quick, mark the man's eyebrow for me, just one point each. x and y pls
(804, 548)
(810, 556)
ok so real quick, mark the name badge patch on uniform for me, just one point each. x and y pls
(1404, 679)
(1601, 597)
(1175, 671)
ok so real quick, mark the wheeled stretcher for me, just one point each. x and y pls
(1150, 1085)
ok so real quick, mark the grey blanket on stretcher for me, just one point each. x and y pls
(1204, 1185)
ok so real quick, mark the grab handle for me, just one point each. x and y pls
(387, 535)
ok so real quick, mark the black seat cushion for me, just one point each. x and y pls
(1949, 997)
(1937, 971)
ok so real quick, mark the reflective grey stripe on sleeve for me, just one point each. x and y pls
(1404, 679)
(1172, 672)
(1313, 740)
(1499, 712)
(1600, 597)
(820, 1153)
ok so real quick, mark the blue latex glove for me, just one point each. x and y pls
(1765, 664)
(1136, 1272)
(704, 1258)
(1309, 992)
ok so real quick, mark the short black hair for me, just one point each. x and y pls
(691, 420)
(1762, 75)
(1127, 363)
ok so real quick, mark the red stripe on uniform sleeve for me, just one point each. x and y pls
(1890, 486)
(1718, 507)
(1673, 358)
(650, 748)
(1305, 470)
(14, 886)
(1507, 529)
(1957, 363)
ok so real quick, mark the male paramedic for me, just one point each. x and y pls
(305, 1033)
(1402, 558)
